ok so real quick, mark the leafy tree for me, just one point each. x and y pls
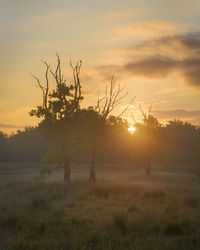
(28, 145)
(91, 135)
(147, 141)
(182, 142)
(100, 138)
(60, 112)
(118, 139)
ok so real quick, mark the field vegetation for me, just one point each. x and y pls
(159, 212)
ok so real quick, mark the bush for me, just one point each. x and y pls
(119, 221)
(177, 228)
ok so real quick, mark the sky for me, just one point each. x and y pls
(151, 46)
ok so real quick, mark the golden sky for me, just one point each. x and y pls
(152, 47)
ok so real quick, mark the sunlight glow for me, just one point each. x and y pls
(131, 129)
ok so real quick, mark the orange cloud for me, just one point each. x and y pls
(144, 30)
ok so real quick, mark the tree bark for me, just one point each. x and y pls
(92, 176)
(67, 171)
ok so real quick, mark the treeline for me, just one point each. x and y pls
(28, 145)
(78, 134)
(170, 144)
(151, 143)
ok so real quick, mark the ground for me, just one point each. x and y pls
(121, 211)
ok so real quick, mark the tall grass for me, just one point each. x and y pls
(158, 213)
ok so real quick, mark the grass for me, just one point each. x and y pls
(155, 213)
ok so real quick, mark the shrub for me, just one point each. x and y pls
(119, 221)
(177, 227)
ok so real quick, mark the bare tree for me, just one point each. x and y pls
(113, 97)
(44, 87)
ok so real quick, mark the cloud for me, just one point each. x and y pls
(160, 57)
(183, 42)
(157, 66)
(186, 41)
(183, 114)
(160, 67)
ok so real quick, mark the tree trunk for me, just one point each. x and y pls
(92, 176)
(67, 171)
(148, 169)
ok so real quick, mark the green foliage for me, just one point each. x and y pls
(60, 112)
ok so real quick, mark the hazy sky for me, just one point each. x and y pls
(152, 46)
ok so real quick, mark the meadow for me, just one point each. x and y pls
(136, 212)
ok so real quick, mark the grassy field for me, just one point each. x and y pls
(161, 212)
(20, 172)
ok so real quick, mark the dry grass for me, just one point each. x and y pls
(156, 213)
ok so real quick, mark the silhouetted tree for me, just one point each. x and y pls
(28, 145)
(182, 142)
(3, 146)
(91, 135)
(147, 141)
(114, 95)
(60, 112)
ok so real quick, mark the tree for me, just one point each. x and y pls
(147, 141)
(3, 146)
(65, 122)
(92, 132)
(114, 95)
(118, 139)
(60, 111)
(182, 142)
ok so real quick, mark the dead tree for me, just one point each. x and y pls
(45, 87)
(114, 95)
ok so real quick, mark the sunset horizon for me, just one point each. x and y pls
(151, 50)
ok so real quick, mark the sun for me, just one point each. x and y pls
(131, 129)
